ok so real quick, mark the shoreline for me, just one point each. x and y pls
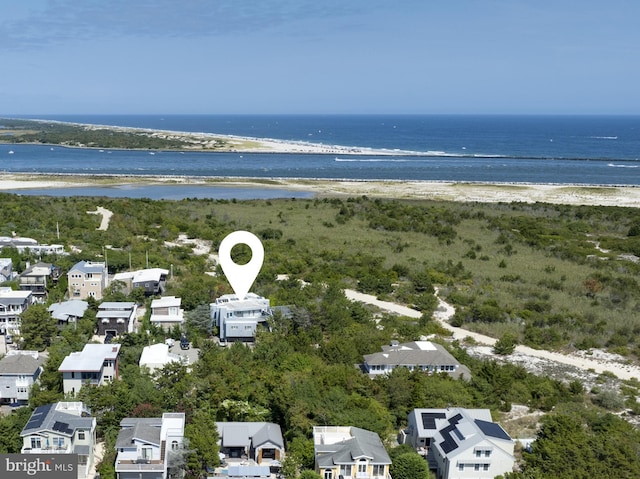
(592, 195)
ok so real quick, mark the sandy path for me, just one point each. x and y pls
(106, 217)
(599, 363)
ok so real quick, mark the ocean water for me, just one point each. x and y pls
(600, 150)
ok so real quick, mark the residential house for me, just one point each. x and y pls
(152, 281)
(12, 305)
(96, 364)
(166, 312)
(236, 319)
(62, 428)
(157, 356)
(37, 278)
(349, 452)
(460, 443)
(29, 244)
(417, 355)
(6, 269)
(147, 447)
(87, 278)
(256, 443)
(68, 312)
(19, 370)
(116, 317)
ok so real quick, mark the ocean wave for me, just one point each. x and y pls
(613, 165)
(604, 137)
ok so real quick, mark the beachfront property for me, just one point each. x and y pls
(95, 365)
(152, 281)
(62, 428)
(30, 245)
(68, 312)
(460, 443)
(87, 278)
(157, 356)
(12, 305)
(415, 356)
(6, 269)
(349, 452)
(148, 448)
(37, 278)
(238, 320)
(19, 370)
(166, 312)
(116, 317)
(254, 443)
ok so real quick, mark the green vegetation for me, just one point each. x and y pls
(525, 273)
(69, 134)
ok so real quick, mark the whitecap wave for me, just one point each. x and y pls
(613, 165)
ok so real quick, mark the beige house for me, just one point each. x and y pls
(62, 428)
(344, 452)
(87, 278)
(166, 312)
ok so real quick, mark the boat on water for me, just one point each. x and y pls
(11, 152)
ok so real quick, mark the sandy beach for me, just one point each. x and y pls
(450, 191)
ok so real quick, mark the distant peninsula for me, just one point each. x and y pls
(79, 135)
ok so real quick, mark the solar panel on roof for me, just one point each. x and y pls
(455, 419)
(429, 419)
(492, 429)
(458, 434)
(38, 416)
(449, 444)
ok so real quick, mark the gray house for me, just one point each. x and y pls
(418, 355)
(68, 312)
(18, 371)
(116, 317)
(260, 442)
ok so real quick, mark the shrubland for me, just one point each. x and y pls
(548, 276)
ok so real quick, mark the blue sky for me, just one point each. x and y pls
(323, 56)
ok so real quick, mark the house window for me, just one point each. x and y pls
(345, 470)
(362, 467)
(328, 474)
(378, 470)
(81, 435)
(476, 467)
(58, 442)
(485, 467)
(460, 467)
(35, 443)
(174, 445)
(146, 453)
(487, 453)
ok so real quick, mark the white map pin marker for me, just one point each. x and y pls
(241, 276)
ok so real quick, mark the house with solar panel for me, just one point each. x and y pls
(148, 448)
(95, 365)
(349, 452)
(415, 356)
(87, 278)
(460, 443)
(62, 428)
(238, 319)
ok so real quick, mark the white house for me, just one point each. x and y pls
(152, 280)
(19, 370)
(6, 269)
(157, 356)
(166, 312)
(417, 355)
(237, 320)
(96, 364)
(12, 305)
(146, 447)
(62, 428)
(461, 443)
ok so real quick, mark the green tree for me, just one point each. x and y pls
(310, 475)
(409, 466)
(37, 327)
(202, 436)
(506, 344)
